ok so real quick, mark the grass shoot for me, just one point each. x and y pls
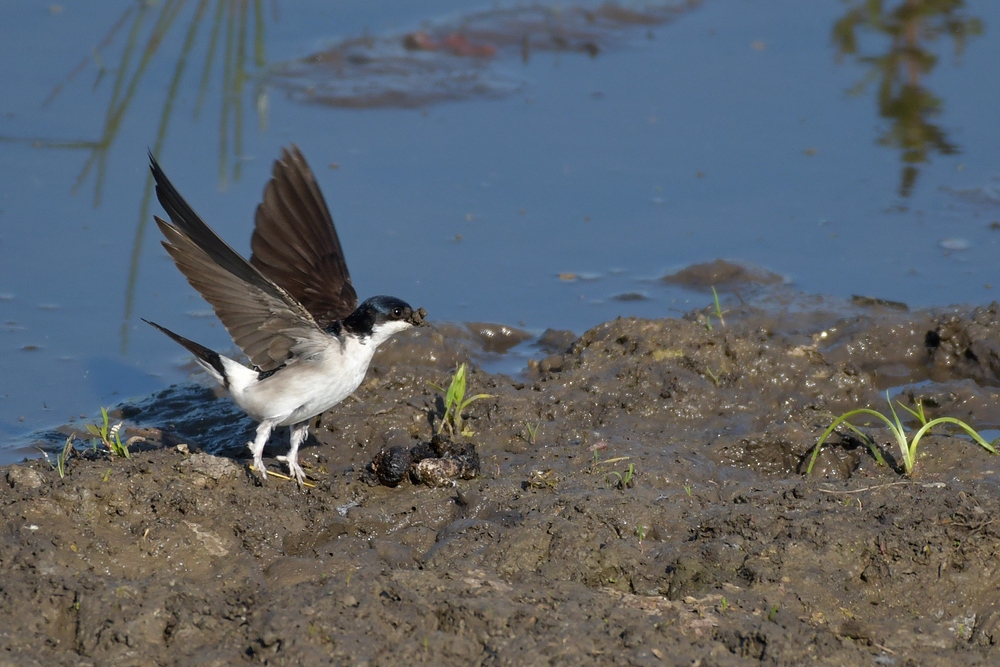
(907, 446)
(621, 480)
(61, 458)
(716, 311)
(718, 308)
(532, 430)
(455, 402)
(109, 436)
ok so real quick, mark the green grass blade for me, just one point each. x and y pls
(971, 432)
(872, 447)
(837, 422)
(459, 385)
(918, 413)
(895, 417)
(477, 397)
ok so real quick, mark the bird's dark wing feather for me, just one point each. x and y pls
(264, 320)
(295, 244)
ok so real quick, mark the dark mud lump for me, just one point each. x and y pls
(436, 463)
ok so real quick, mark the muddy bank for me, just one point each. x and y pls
(657, 517)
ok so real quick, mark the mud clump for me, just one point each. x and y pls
(439, 462)
(718, 550)
(390, 466)
(969, 346)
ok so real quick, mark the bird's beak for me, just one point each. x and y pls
(417, 318)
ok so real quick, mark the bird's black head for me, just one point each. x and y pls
(382, 316)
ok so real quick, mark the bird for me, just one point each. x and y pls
(291, 308)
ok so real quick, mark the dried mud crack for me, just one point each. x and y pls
(717, 552)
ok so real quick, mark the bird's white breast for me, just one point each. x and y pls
(309, 385)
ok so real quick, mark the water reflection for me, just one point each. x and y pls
(235, 44)
(903, 101)
(461, 57)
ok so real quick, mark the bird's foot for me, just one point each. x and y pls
(258, 467)
(296, 472)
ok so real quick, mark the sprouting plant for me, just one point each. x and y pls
(109, 436)
(907, 447)
(718, 308)
(715, 378)
(455, 402)
(625, 480)
(640, 532)
(595, 448)
(724, 604)
(63, 456)
(687, 490)
(532, 430)
(717, 311)
(60, 465)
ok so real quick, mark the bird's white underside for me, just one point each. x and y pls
(308, 385)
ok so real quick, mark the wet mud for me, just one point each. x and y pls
(639, 501)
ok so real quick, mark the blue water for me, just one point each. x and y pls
(730, 131)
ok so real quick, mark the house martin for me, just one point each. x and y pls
(291, 308)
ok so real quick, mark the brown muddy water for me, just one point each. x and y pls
(716, 550)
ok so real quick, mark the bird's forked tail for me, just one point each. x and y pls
(208, 359)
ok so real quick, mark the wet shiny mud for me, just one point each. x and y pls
(658, 514)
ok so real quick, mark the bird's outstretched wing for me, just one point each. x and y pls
(295, 244)
(264, 320)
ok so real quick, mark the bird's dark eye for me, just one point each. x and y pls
(397, 312)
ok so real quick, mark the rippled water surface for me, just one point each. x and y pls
(536, 167)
